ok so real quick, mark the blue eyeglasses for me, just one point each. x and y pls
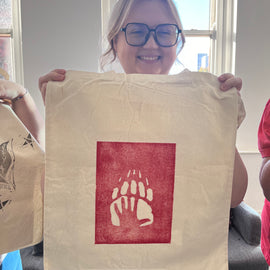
(165, 35)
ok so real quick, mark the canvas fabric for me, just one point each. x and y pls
(21, 168)
(139, 171)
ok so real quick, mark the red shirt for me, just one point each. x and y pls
(264, 147)
(264, 132)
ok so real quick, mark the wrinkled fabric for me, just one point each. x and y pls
(139, 171)
(21, 168)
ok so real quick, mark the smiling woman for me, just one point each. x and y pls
(148, 57)
(151, 56)
(209, 27)
(253, 64)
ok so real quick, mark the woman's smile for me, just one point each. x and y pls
(149, 58)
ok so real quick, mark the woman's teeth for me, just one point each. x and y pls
(149, 58)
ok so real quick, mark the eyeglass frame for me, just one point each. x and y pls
(179, 31)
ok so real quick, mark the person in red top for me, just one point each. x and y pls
(264, 148)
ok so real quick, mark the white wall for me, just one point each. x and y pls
(253, 66)
(59, 34)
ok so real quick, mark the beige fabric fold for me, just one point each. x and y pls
(139, 171)
(21, 168)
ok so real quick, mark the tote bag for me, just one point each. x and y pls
(139, 171)
(21, 169)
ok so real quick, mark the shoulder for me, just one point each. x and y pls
(267, 106)
(265, 120)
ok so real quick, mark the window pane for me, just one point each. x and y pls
(5, 14)
(5, 58)
(194, 14)
(193, 56)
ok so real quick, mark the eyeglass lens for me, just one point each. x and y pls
(138, 34)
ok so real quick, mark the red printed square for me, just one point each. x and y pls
(134, 192)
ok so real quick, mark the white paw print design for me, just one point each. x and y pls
(131, 201)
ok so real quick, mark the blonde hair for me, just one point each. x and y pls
(118, 16)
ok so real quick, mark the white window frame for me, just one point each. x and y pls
(223, 46)
(15, 33)
(222, 33)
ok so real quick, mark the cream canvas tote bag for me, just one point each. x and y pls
(139, 171)
(21, 168)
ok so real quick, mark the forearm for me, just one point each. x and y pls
(265, 177)
(24, 107)
(26, 110)
(240, 181)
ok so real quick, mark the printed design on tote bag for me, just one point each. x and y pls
(28, 141)
(134, 192)
(7, 183)
(132, 201)
(7, 163)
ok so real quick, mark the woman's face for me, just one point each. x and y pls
(150, 58)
